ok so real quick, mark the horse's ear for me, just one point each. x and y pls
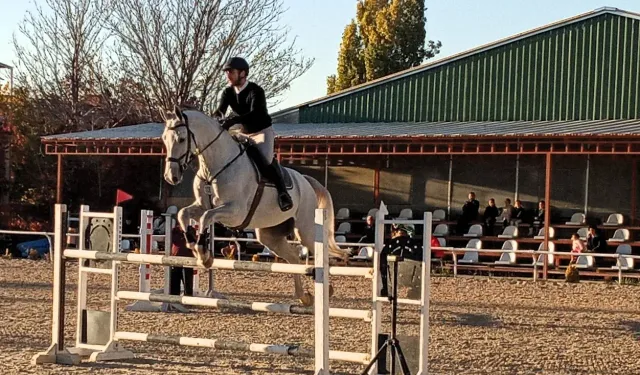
(178, 112)
(163, 113)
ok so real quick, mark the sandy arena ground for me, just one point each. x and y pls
(478, 326)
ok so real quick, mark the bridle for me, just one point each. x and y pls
(185, 159)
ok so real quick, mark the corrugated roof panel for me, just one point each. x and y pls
(153, 131)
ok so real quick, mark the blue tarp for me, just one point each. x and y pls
(42, 246)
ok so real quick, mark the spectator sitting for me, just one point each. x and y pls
(469, 213)
(178, 275)
(596, 243)
(507, 212)
(369, 231)
(158, 225)
(538, 219)
(401, 244)
(577, 246)
(517, 214)
(489, 217)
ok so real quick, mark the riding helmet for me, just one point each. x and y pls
(236, 63)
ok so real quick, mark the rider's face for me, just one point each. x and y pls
(235, 77)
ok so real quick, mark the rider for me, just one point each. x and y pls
(248, 101)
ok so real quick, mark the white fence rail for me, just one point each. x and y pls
(535, 254)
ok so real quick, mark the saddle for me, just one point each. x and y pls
(262, 176)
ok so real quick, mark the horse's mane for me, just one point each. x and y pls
(190, 112)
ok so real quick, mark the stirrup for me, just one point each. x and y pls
(284, 201)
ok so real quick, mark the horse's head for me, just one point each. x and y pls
(178, 141)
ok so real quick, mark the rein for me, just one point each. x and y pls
(185, 159)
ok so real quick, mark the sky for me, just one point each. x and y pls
(317, 26)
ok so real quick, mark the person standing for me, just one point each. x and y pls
(179, 276)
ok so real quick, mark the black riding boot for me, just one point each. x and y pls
(284, 199)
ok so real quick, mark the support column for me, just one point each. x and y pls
(450, 187)
(59, 180)
(634, 190)
(326, 171)
(517, 192)
(376, 187)
(586, 185)
(547, 213)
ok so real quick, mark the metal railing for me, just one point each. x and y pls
(535, 254)
(47, 235)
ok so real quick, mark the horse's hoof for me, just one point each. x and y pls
(306, 299)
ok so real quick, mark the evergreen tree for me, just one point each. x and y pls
(387, 36)
(351, 70)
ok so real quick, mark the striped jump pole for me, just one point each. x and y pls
(223, 264)
(280, 308)
(144, 281)
(111, 349)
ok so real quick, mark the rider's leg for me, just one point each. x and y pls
(264, 142)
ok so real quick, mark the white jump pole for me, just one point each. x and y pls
(321, 288)
(146, 242)
(144, 283)
(56, 353)
(425, 286)
(376, 306)
(212, 247)
(168, 241)
(423, 368)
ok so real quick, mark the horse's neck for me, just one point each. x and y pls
(217, 155)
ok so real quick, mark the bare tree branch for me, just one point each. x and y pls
(176, 48)
(57, 47)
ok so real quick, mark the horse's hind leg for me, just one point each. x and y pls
(276, 240)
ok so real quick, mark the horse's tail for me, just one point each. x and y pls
(325, 201)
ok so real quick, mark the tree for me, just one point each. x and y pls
(391, 35)
(331, 84)
(58, 48)
(351, 69)
(176, 48)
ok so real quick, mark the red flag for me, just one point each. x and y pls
(122, 196)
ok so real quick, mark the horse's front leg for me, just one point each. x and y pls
(208, 218)
(184, 217)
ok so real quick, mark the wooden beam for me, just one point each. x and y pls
(547, 212)
(59, 180)
(634, 190)
(376, 186)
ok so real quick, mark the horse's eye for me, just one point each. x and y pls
(180, 140)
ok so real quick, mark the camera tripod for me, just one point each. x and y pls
(392, 341)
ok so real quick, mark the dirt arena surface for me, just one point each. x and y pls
(478, 326)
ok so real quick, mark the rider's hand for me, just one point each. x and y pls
(227, 123)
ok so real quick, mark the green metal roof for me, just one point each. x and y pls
(583, 68)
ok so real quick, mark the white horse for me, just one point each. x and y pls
(227, 191)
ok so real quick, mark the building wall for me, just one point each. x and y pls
(582, 71)
(422, 183)
(610, 186)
